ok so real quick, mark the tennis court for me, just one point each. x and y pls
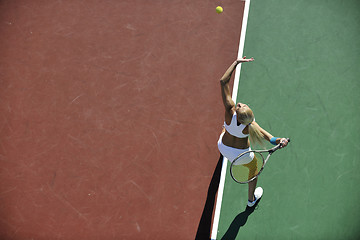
(110, 113)
(101, 133)
(306, 81)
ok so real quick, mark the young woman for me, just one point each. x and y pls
(239, 125)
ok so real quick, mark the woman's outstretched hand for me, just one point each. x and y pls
(284, 142)
(244, 59)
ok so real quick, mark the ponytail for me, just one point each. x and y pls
(256, 137)
(247, 117)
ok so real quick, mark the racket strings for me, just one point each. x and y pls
(245, 172)
(252, 168)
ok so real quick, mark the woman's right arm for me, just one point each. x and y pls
(267, 136)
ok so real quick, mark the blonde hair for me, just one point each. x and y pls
(246, 117)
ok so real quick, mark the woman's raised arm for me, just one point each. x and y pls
(224, 81)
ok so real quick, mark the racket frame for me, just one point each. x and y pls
(269, 151)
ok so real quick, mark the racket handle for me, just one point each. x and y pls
(288, 139)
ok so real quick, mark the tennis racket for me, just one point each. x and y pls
(245, 173)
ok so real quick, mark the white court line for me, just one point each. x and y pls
(234, 96)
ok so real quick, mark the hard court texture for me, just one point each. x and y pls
(304, 84)
(109, 115)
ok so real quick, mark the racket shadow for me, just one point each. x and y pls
(239, 221)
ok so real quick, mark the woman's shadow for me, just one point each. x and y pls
(239, 221)
(204, 227)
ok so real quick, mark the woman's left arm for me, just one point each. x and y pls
(224, 81)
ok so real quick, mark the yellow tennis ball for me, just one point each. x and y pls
(219, 9)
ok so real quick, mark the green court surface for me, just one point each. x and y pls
(304, 84)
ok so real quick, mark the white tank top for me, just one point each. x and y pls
(234, 129)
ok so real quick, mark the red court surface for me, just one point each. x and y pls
(110, 114)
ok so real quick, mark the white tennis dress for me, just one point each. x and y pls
(229, 152)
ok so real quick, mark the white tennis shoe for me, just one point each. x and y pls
(257, 194)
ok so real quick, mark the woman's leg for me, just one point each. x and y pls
(252, 166)
(252, 186)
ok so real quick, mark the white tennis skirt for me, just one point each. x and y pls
(232, 153)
